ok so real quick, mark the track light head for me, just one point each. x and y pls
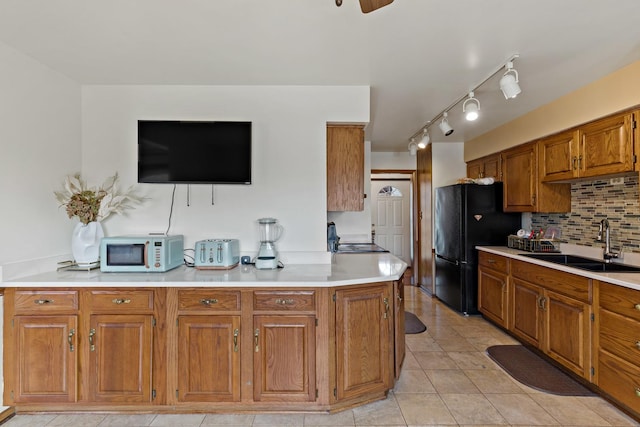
(509, 82)
(413, 147)
(444, 125)
(471, 107)
(425, 139)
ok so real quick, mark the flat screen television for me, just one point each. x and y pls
(194, 152)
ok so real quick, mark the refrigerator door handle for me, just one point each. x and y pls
(453, 261)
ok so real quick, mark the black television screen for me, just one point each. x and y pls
(184, 152)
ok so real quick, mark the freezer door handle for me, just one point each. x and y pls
(452, 261)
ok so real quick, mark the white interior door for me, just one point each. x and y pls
(391, 216)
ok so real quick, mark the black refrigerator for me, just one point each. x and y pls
(467, 215)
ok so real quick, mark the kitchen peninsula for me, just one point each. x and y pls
(313, 337)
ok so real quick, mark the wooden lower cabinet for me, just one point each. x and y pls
(201, 349)
(121, 348)
(493, 288)
(551, 310)
(284, 358)
(363, 329)
(46, 357)
(208, 358)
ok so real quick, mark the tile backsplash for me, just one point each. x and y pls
(593, 201)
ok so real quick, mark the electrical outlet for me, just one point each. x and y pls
(617, 181)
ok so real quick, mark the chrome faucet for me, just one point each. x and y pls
(604, 228)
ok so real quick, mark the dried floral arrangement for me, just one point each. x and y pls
(95, 204)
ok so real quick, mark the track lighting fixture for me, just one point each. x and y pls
(425, 139)
(471, 107)
(444, 125)
(413, 147)
(509, 82)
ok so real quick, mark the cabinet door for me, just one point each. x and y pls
(559, 158)
(492, 167)
(345, 168)
(567, 332)
(526, 321)
(47, 357)
(363, 329)
(399, 320)
(519, 178)
(120, 350)
(493, 295)
(606, 146)
(209, 358)
(475, 169)
(284, 358)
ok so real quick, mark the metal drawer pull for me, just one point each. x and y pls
(491, 261)
(638, 391)
(43, 301)
(385, 301)
(235, 340)
(637, 307)
(282, 301)
(121, 301)
(638, 345)
(208, 301)
(72, 332)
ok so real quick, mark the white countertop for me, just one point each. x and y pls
(345, 269)
(628, 280)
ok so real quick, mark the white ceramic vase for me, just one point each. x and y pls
(85, 242)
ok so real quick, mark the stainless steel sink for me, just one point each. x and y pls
(359, 248)
(585, 263)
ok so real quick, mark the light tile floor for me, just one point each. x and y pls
(447, 379)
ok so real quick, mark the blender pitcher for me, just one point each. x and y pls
(270, 231)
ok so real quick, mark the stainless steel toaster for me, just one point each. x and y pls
(217, 254)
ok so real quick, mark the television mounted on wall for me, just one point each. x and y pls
(194, 152)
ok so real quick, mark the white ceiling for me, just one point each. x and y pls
(418, 56)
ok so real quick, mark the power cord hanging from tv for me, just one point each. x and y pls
(173, 197)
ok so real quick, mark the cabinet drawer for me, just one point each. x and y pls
(496, 262)
(284, 300)
(620, 335)
(45, 301)
(121, 301)
(620, 300)
(568, 284)
(619, 379)
(209, 300)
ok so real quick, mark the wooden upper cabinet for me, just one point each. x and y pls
(523, 191)
(345, 168)
(603, 147)
(484, 167)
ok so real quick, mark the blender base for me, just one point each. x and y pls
(266, 263)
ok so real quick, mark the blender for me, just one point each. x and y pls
(270, 231)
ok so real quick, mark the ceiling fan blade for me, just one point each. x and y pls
(371, 5)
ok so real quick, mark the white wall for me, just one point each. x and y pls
(40, 141)
(389, 160)
(289, 157)
(447, 163)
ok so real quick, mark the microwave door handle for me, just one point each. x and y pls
(146, 254)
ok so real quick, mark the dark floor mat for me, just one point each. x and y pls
(531, 370)
(413, 325)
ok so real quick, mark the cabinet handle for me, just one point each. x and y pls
(504, 286)
(282, 301)
(386, 308)
(491, 261)
(121, 301)
(256, 338)
(92, 333)
(533, 199)
(638, 391)
(208, 301)
(72, 332)
(235, 340)
(575, 163)
(543, 303)
(580, 162)
(399, 297)
(638, 345)
(43, 301)
(637, 307)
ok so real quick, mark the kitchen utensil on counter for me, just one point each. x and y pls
(270, 232)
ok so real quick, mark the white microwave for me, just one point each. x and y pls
(147, 254)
